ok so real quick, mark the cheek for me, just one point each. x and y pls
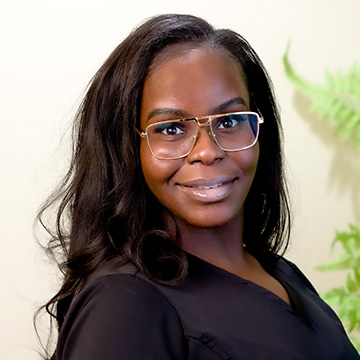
(254, 159)
(247, 160)
(156, 172)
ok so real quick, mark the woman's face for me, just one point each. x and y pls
(209, 186)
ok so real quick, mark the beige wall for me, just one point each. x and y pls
(50, 50)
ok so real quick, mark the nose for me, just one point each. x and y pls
(205, 149)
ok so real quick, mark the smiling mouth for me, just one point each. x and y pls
(211, 190)
(208, 183)
(206, 187)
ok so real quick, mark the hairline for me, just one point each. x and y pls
(174, 51)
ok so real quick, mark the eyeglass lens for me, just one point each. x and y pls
(175, 139)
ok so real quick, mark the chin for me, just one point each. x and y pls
(216, 220)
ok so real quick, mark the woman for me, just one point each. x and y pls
(177, 211)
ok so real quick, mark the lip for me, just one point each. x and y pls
(208, 190)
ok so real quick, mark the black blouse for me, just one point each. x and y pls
(212, 315)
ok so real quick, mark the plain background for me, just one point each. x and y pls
(49, 52)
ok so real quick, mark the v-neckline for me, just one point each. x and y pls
(292, 307)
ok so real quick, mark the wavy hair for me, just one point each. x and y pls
(105, 214)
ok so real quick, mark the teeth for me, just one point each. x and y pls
(209, 187)
(204, 187)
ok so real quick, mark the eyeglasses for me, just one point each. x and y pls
(174, 139)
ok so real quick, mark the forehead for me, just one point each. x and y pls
(194, 80)
(185, 49)
(182, 49)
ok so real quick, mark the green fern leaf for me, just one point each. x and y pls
(349, 240)
(346, 299)
(356, 344)
(351, 284)
(338, 99)
(343, 262)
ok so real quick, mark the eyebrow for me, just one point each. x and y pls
(183, 114)
(235, 101)
(169, 111)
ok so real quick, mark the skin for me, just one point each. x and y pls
(202, 82)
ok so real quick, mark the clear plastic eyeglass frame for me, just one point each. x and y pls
(202, 121)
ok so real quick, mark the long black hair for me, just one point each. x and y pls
(105, 214)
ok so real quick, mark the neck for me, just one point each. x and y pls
(221, 246)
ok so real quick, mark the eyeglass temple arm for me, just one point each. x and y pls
(261, 121)
(142, 134)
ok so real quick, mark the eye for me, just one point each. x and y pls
(170, 128)
(226, 122)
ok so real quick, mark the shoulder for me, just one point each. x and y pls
(121, 288)
(118, 316)
(288, 270)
